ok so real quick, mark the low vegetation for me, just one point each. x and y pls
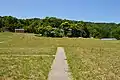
(15, 65)
(25, 68)
(94, 60)
(5, 37)
(88, 59)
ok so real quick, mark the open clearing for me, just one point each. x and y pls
(94, 60)
(88, 59)
(24, 68)
(25, 57)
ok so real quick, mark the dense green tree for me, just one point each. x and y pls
(55, 27)
(66, 27)
(116, 33)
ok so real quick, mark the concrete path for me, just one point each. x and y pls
(59, 69)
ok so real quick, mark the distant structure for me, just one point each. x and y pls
(108, 39)
(19, 30)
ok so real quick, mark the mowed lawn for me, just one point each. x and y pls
(88, 59)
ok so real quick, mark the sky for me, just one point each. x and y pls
(86, 10)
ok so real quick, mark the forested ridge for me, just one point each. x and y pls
(56, 27)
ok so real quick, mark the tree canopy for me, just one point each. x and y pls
(55, 27)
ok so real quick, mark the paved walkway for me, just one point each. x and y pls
(59, 69)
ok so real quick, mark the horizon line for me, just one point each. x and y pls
(43, 17)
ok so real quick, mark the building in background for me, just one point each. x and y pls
(108, 39)
(19, 30)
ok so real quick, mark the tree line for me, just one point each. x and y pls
(56, 27)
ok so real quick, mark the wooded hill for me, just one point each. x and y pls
(55, 27)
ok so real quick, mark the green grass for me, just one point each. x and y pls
(28, 51)
(5, 36)
(89, 59)
(24, 68)
(94, 60)
(26, 44)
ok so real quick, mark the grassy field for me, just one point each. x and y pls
(15, 65)
(89, 59)
(5, 36)
(24, 68)
(94, 60)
